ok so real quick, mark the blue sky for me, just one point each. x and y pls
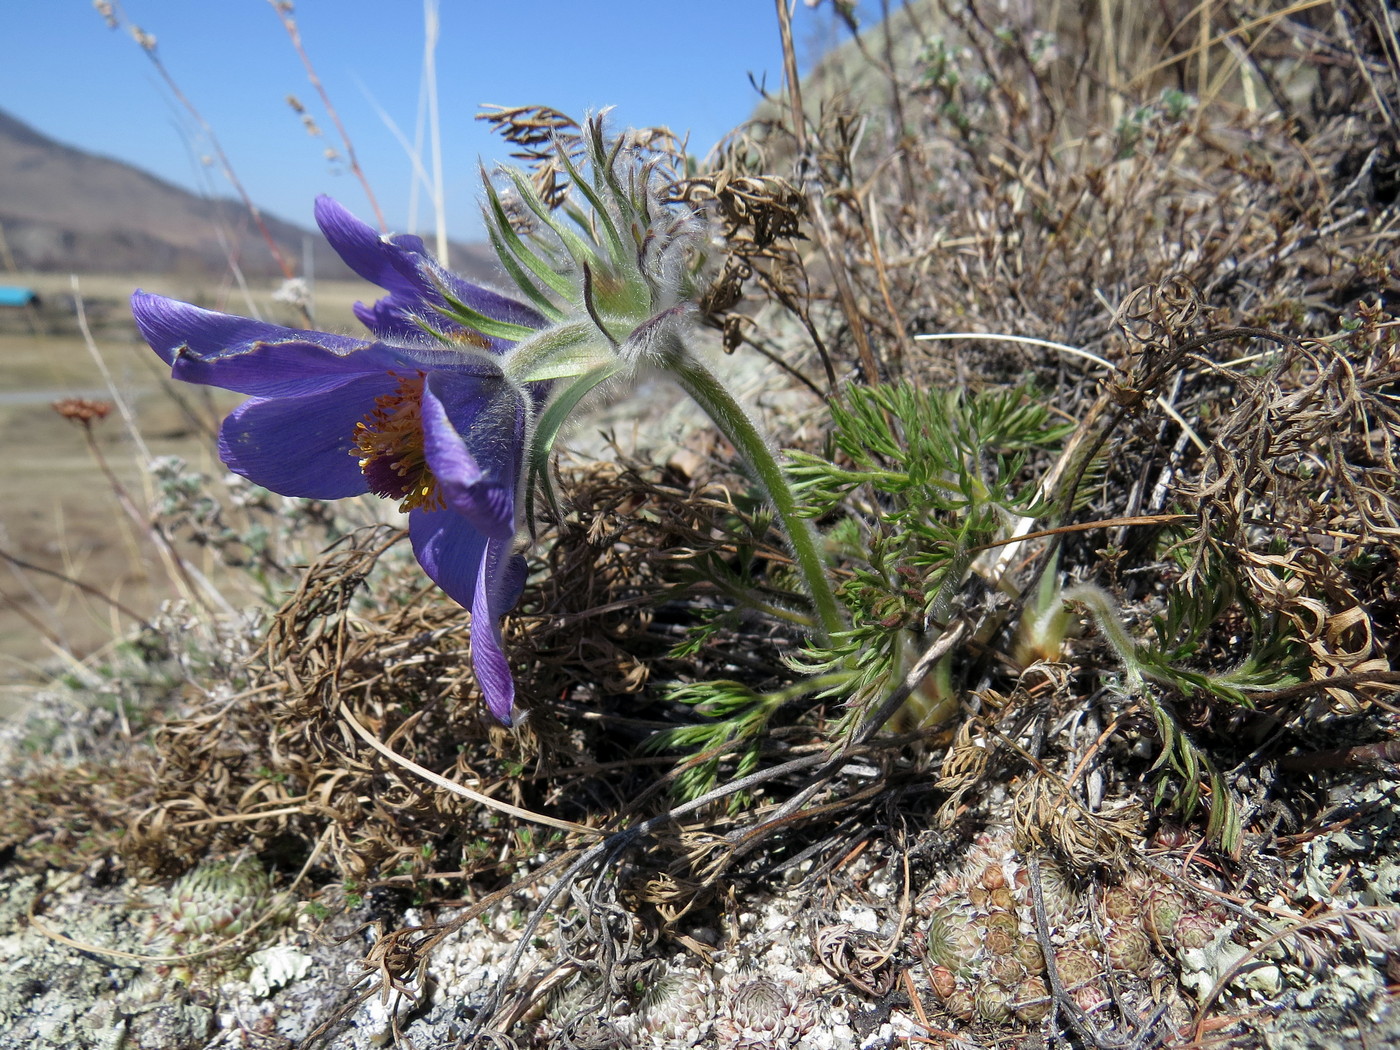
(681, 63)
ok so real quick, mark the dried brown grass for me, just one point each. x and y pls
(1230, 261)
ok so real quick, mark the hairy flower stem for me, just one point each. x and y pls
(719, 404)
(1105, 615)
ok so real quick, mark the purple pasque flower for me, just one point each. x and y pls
(416, 282)
(423, 414)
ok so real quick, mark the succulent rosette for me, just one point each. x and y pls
(423, 413)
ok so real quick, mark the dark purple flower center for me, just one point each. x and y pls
(389, 445)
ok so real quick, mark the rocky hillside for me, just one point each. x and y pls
(63, 209)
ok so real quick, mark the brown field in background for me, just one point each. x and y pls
(58, 510)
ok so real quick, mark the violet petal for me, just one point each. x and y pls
(402, 265)
(454, 555)
(499, 582)
(254, 357)
(363, 250)
(301, 446)
(473, 430)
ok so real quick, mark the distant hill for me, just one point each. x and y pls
(66, 210)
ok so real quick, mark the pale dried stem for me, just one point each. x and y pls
(289, 23)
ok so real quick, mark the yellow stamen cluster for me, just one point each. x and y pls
(389, 445)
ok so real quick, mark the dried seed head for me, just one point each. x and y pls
(858, 956)
(82, 410)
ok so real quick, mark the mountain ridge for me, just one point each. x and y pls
(65, 209)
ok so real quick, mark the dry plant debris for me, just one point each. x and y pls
(1158, 815)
